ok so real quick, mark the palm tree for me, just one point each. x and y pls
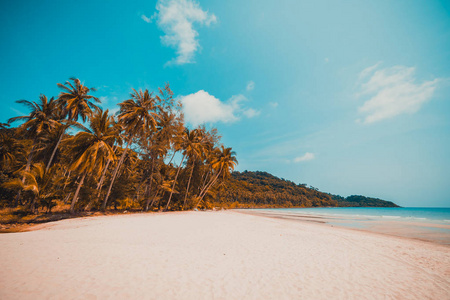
(117, 127)
(37, 181)
(224, 162)
(10, 151)
(137, 115)
(159, 143)
(92, 148)
(39, 121)
(194, 152)
(74, 101)
(190, 143)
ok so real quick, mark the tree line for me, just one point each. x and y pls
(69, 151)
(263, 190)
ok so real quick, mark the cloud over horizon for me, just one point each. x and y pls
(306, 157)
(201, 107)
(392, 92)
(177, 18)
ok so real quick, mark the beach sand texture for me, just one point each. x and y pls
(216, 255)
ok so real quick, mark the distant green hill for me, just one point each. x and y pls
(261, 189)
(362, 201)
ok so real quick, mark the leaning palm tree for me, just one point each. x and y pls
(74, 102)
(91, 149)
(39, 121)
(195, 152)
(137, 115)
(190, 143)
(224, 162)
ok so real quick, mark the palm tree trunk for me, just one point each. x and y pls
(206, 184)
(100, 183)
(205, 177)
(153, 199)
(189, 183)
(32, 205)
(54, 151)
(66, 181)
(75, 197)
(173, 155)
(136, 195)
(115, 172)
(150, 185)
(67, 198)
(147, 195)
(174, 182)
(205, 190)
(27, 169)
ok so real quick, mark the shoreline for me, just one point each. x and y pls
(216, 254)
(400, 229)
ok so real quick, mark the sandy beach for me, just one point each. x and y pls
(216, 255)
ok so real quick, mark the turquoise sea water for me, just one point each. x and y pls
(424, 223)
(432, 214)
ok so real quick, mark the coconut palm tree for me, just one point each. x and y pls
(10, 151)
(158, 144)
(73, 102)
(117, 127)
(39, 121)
(195, 152)
(91, 149)
(137, 115)
(38, 182)
(190, 143)
(224, 162)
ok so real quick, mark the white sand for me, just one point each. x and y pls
(216, 255)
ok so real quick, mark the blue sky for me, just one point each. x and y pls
(351, 97)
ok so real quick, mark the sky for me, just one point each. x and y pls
(350, 97)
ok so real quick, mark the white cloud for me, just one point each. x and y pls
(273, 104)
(201, 107)
(108, 101)
(177, 18)
(146, 19)
(250, 113)
(392, 92)
(368, 70)
(250, 85)
(327, 60)
(306, 157)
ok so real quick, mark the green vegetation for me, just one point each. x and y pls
(362, 201)
(123, 161)
(263, 190)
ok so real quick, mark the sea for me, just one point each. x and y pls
(424, 223)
